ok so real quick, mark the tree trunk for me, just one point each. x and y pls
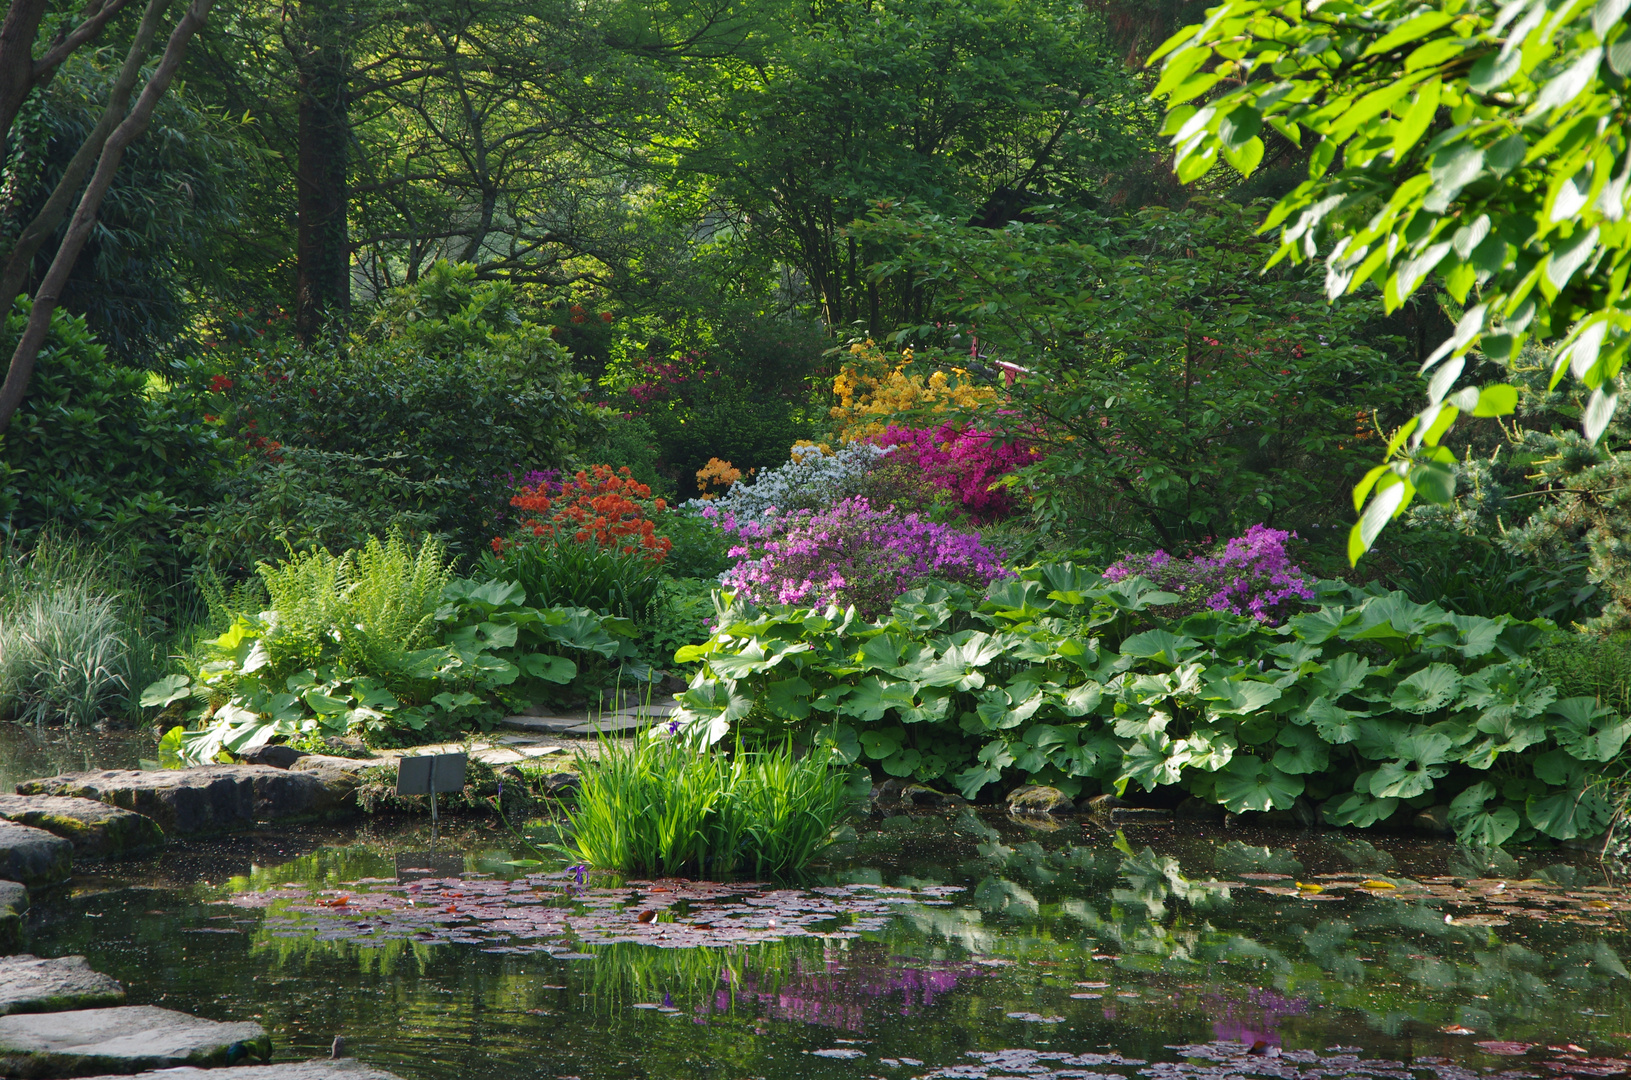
(79, 229)
(323, 247)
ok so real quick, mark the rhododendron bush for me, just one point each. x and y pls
(1249, 575)
(852, 553)
(601, 505)
(872, 390)
(964, 462)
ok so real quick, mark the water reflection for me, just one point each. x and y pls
(967, 936)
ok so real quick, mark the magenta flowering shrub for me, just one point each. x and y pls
(852, 553)
(1250, 575)
(965, 462)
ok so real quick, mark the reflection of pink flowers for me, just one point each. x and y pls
(834, 994)
(965, 462)
(1257, 1019)
(1251, 575)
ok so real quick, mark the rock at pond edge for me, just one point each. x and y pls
(1039, 799)
(204, 799)
(124, 1039)
(318, 1069)
(33, 856)
(13, 902)
(29, 984)
(95, 829)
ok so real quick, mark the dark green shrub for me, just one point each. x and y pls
(1590, 665)
(106, 452)
(449, 382)
(684, 615)
(699, 547)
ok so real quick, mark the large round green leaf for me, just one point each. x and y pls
(1249, 783)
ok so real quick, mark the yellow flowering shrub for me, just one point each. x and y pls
(716, 472)
(871, 390)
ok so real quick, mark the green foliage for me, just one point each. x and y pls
(73, 636)
(1597, 666)
(566, 573)
(1484, 142)
(699, 548)
(104, 451)
(1178, 394)
(661, 808)
(1368, 704)
(449, 383)
(683, 615)
(383, 642)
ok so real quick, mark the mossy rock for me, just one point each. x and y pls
(1039, 799)
(97, 830)
(13, 903)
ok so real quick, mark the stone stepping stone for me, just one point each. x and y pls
(655, 712)
(611, 725)
(323, 1069)
(29, 984)
(205, 799)
(96, 829)
(13, 902)
(508, 755)
(33, 856)
(127, 1039)
(553, 725)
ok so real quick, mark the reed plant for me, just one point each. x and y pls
(663, 807)
(75, 634)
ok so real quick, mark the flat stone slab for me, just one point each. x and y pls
(29, 984)
(322, 1069)
(96, 829)
(33, 856)
(554, 725)
(654, 712)
(128, 1039)
(205, 799)
(611, 725)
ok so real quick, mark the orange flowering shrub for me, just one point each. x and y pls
(722, 473)
(601, 505)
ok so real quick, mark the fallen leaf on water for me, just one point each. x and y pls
(1310, 888)
(1377, 885)
(1566, 1048)
(1457, 1029)
(1506, 1049)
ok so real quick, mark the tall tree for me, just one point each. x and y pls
(319, 42)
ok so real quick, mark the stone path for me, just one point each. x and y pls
(126, 1039)
(344, 1069)
(30, 985)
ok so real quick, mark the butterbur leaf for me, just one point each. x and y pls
(1431, 688)
(1476, 824)
(1335, 725)
(1249, 783)
(1159, 645)
(165, 692)
(1302, 751)
(1239, 697)
(1358, 809)
(1570, 813)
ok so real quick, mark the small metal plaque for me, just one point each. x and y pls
(430, 774)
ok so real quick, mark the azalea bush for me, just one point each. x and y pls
(1249, 575)
(1369, 706)
(963, 462)
(873, 391)
(853, 553)
(600, 506)
(815, 476)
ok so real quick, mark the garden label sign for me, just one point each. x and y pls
(430, 775)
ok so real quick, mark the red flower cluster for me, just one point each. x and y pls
(602, 506)
(220, 384)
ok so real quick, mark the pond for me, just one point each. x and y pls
(941, 946)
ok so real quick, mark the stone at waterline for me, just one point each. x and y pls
(1433, 819)
(204, 799)
(13, 902)
(1039, 799)
(126, 1039)
(276, 755)
(33, 856)
(29, 984)
(348, 1069)
(341, 775)
(96, 829)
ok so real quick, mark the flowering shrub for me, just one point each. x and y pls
(852, 553)
(603, 506)
(870, 391)
(962, 461)
(1251, 575)
(811, 479)
(716, 472)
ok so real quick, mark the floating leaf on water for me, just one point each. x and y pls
(841, 1053)
(1505, 1049)
(1457, 1029)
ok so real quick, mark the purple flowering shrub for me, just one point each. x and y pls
(852, 553)
(962, 462)
(1249, 575)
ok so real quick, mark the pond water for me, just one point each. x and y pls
(954, 946)
(27, 751)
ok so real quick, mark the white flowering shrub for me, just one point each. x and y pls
(813, 479)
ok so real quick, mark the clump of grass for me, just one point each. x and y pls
(72, 636)
(664, 808)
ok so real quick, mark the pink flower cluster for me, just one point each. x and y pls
(851, 553)
(1251, 575)
(963, 461)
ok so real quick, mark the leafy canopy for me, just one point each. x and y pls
(1483, 141)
